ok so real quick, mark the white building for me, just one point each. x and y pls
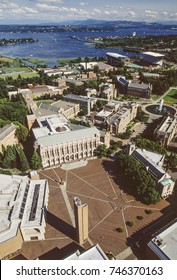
(164, 243)
(94, 253)
(22, 211)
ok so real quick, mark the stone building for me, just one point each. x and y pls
(7, 135)
(59, 141)
(153, 163)
(116, 116)
(166, 131)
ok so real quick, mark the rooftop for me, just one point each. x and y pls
(5, 130)
(164, 243)
(139, 86)
(159, 55)
(94, 253)
(69, 136)
(115, 55)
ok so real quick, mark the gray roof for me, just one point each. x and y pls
(69, 136)
(139, 86)
(155, 170)
(5, 130)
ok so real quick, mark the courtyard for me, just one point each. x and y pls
(112, 206)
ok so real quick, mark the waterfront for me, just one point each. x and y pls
(54, 46)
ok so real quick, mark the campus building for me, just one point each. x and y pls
(94, 253)
(115, 59)
(152, 58)
(22, 211)
(8, 135)
(116, 116)
(163, 244)
(107, 91)
(59, 141)
(133, 88)
(85, 102)
(139, 90)
(166, 131)
(153, 163)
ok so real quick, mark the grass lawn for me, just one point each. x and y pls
(35, 60)
(23, 75)
(171, 97)
(6, 59)
(48, 102)
(10, 70)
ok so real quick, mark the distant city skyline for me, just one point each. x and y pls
(41, 11)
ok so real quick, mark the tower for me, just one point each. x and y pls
(81, 217)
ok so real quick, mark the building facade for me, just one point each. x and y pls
(153, 163)
(59, 141)
(116, 116)
(8, 135)
(166, 131)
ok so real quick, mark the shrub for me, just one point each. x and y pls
(140, 217)
(130, 223)
(120, 229)
(149, 211)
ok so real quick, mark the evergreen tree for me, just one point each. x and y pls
(9, 160)
(36, 161)
(24, 165)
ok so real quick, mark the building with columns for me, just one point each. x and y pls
(58, 141)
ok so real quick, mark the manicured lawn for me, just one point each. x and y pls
(48, 102)
(23, 75)
(36, 60)
(9, 70)
(171, 97)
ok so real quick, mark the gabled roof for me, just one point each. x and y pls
(155, 170)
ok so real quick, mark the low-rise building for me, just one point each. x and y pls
(107, 91)
(153, 163)
(8, 135)
(116, 116)
(139, 90)
(133, 88)
(59, 141)
(115, 59)
(22, 211)
(163, 244)
(166, 131)
(86, 103)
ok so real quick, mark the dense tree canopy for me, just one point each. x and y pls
(142, 181)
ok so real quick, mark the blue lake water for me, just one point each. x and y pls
(54, 46)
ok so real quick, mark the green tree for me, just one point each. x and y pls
(101, 151)
(36, 161)
(21, 132)
(23, 162)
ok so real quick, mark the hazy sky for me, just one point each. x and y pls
(35, 11)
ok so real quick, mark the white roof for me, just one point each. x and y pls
(154, 54)
(164, 244)
(104, 113)
(68, 136)
(115, 55)
(94, 253)
(12, 189)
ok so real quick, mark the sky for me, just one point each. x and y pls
(42, 11)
